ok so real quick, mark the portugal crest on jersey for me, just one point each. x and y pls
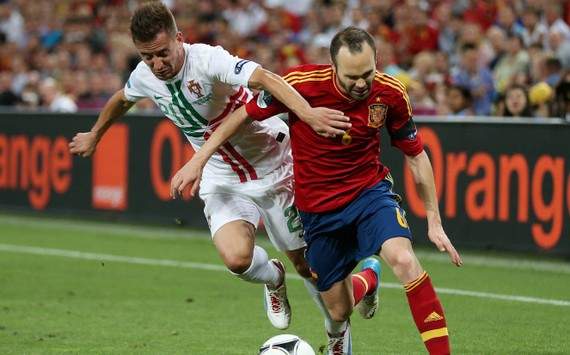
(195, 88)
(377, 115)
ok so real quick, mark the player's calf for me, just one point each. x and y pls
(428, 315)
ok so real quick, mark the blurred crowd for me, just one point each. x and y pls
(456, 58)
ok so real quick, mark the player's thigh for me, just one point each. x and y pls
(339, 299)
(380, 219)
(331, 248)
(233, 219)
(297, 257)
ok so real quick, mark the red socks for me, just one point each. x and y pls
(428, 314)
(363, 283)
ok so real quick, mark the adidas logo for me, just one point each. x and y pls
(433, 317)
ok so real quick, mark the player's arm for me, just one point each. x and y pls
(84, 143)
(404, 135)
(422, 172)
(191, 173)
(324, 121)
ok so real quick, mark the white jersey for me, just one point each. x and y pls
(212, 84)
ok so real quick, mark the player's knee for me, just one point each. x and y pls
(237, 264)
(404, 262)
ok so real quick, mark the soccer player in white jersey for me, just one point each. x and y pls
(197, 86)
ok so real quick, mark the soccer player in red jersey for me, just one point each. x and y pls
(344, 192)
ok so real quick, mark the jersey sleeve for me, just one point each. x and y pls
(229, 69)
(401, 127)
(134, 89)
(263, 106)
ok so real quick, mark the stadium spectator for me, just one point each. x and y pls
(514, 60)
(53, 99)
(534, 31)
(61, 39)
(459, 101)
(478, 79)
(7, 95)
(561, 107)
(516, 102)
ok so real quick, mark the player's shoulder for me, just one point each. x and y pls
(389, 87)
(307, 72)
(308, 79)
(387, 84)
(203, 50)
(141, 76)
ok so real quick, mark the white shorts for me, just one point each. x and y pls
(270, 197)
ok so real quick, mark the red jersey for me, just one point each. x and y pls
(331, 172)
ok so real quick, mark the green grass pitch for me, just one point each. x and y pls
(74, 287)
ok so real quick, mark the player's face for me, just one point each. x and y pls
(355, 71)
(164, 55)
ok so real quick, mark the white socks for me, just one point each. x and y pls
(261, 269)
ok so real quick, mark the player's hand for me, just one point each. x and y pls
(437, 235)
(189, 175)
(326, 122)
(83, 144)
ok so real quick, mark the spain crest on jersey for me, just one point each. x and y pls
(377, 115)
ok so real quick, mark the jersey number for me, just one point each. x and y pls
(293, 220)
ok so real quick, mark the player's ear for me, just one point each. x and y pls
(179, 37)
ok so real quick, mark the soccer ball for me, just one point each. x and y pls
(286, 344)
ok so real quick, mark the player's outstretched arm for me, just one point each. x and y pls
(423, 177)
(84, 143)
(191, 173)
(324, 121)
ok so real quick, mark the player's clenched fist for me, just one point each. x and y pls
(83, 144)
(189, 175)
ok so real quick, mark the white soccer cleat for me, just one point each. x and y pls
(369, 303)
(276, 302)
(340, 344)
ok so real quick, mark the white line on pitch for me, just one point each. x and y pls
(153, 232)
(202, 266)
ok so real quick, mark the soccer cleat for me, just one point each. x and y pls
(276, 302)
(340, 344)
(369, 304)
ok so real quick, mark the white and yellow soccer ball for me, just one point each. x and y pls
(286, 344)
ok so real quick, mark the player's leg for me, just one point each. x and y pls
(330, 254)
(233, 219)
(339, 301)
(384, 222)
(235, 244)
(424, 303)
(284, 229)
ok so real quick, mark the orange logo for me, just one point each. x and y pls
(110, 179)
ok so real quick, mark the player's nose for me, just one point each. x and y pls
(157, 64)
(360, 84)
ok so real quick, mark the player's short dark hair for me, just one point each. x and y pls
(352, 37)
(150, 19)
